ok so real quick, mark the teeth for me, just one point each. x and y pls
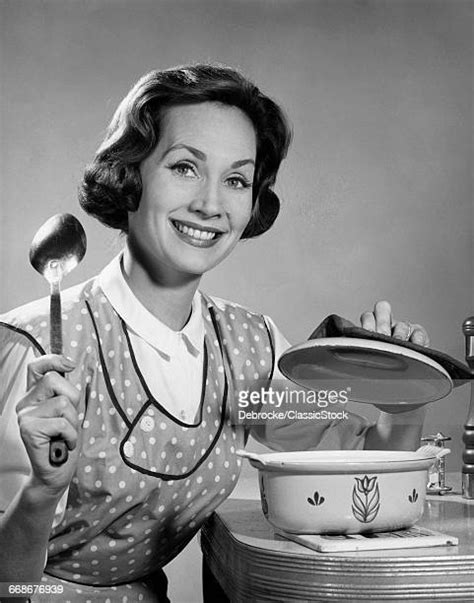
(203, 235)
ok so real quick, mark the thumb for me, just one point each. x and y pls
(45, 364)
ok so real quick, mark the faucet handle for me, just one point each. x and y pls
(437, 439)
(468, 330)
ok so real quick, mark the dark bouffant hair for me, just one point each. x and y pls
(112, 185)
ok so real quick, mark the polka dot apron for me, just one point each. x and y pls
(145, 480)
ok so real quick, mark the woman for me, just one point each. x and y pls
(152, 365)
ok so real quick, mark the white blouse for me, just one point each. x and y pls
(171, 361)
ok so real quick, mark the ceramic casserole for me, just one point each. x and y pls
(342, 491)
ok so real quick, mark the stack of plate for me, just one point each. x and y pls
(253, 564)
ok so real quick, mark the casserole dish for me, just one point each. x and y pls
(342, 491)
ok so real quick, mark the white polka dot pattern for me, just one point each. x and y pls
(142, 488)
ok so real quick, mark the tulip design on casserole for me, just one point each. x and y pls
(365, 499)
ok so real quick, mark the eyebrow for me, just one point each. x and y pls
(202, 156)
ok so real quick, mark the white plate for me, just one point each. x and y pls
(373, 372)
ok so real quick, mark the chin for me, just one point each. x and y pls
(197, 269)
(198, 266)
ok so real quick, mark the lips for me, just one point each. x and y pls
(195, 234)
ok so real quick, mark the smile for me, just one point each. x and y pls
(200, 237)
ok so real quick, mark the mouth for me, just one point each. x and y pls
(195, 234)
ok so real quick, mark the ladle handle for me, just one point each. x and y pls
(58, 452)
(55, 325)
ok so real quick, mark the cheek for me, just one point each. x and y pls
(144, 222)
(152, 207)
(242, 214)
(158, 194)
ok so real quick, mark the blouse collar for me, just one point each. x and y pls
(142, 322)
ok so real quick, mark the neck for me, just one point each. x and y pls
(168, 297)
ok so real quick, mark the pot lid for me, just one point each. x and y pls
(371, 372)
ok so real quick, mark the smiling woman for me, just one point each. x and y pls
(112, 184)
(187, 170)
(196, 191)
(154, 366)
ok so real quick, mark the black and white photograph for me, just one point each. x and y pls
(236, 301)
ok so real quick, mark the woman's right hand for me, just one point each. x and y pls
(49, 410)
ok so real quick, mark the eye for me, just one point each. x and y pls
(238, 182)
(185, 169)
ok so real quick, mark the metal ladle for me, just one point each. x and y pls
(56, 249)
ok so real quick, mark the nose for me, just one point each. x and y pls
(207, 200)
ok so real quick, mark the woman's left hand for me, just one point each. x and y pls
(381, 321)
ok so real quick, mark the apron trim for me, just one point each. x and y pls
(151, 397)
(108, 384)
(28, 336)
(175, 477)
(272, 348)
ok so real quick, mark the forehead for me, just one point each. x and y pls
(209, 126)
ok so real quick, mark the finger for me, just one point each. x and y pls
(383, 317)
(51, 384)
(37, 432)
(59, 406)
(402, 330)
(367, 321)
(45, 364)
(420, 336)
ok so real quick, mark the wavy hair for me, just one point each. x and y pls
(111, 185)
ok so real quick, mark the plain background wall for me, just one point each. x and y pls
(377, 189)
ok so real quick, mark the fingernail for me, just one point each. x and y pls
(69, 362)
